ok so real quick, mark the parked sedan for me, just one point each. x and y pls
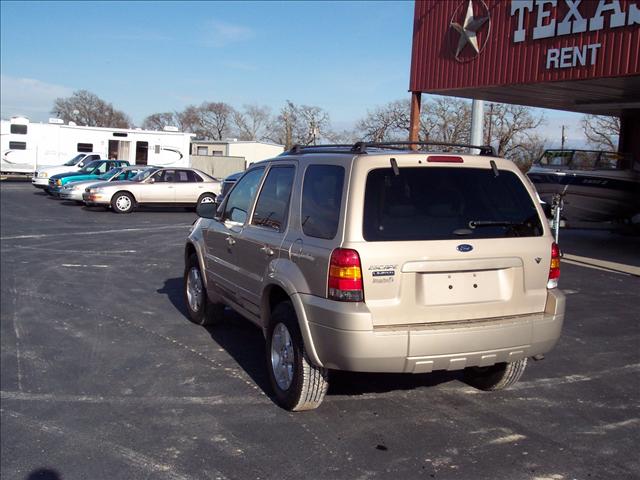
(156, 186)
(90, 171)
(74, 190)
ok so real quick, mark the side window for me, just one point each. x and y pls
(85, 147)
(158, 176)
(239, 200)
(193, 176)
(272, 208)
(321, 200)
(102, 168)
(182, 176)
(18, 145)
(169, 176)
(18, 129)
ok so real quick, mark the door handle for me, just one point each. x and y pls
(267, 250)
(230, 240)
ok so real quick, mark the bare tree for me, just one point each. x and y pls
(449, 120)
(214, 120)
(158, 121)
(387, 123)
(510, 127)
(86, 108)
(602, 132)
(252, 122)
(299, 124)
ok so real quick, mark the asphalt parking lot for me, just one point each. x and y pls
(103, 376)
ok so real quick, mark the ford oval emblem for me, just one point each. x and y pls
(465, 247)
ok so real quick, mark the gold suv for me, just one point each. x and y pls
(371, 258)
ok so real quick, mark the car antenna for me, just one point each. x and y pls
(394, 166)
(496, 173)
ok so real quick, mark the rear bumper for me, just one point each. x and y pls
(422, 348)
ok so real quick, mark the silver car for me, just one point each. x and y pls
(75, 190)
(155, 186)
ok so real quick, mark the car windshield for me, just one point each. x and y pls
(109, 174)
(75, 160)
(447, 203)
(90, 167)
(144, 175)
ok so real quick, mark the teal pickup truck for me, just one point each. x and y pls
(89, 172)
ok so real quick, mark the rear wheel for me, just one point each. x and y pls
(296, 382)
(495, 377)
(201, 310)
(207, 198)
(123, 202)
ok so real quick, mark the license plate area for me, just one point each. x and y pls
(455, 288)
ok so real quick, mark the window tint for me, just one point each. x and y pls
(19, 129)
(441, 203)
(18, 145)
(272, 207)
(85, 147)
(321, 200)
(170, 176)
(239, 200)
(193, 176)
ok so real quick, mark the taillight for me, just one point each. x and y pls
(345, 276)
(554, 269)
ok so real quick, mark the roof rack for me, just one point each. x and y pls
(361, 147)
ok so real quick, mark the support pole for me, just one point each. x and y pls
(414, 123)
(477, 117)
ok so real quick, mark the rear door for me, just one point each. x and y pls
(446, 243)
(259, 242)
(186, 187)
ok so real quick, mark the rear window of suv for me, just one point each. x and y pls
(447, 203)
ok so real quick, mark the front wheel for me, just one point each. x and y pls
(495, 377)
(297, 383)
(123, 202)
(201, 310)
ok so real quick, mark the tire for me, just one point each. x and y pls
(201, 310)
(123, 202)
(207, 198)
(297, 383)
(495, 377)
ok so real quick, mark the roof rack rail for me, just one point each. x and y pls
(361, 147)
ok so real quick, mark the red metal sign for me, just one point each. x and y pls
(481, 43)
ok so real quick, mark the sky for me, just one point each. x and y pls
(149, 57)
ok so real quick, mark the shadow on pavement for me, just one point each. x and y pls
(44, 474)
(245, 343)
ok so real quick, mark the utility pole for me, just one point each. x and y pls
(477, 117)
(563, 139)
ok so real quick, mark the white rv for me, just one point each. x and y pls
(25, 146)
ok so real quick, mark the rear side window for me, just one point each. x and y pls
(321, 200)
(18, 145)
(272, 208)
(85, 147)
(447, 203)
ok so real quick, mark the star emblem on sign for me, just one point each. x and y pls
(468, 30)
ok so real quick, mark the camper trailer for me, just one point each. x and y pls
(25, 146)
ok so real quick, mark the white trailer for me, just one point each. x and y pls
(25, 146)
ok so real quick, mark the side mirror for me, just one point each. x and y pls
(207, 210)
(151, 180)
(81, 164)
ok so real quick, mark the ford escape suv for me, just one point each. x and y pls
(370, 258)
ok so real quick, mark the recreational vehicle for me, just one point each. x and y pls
(25, 146)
